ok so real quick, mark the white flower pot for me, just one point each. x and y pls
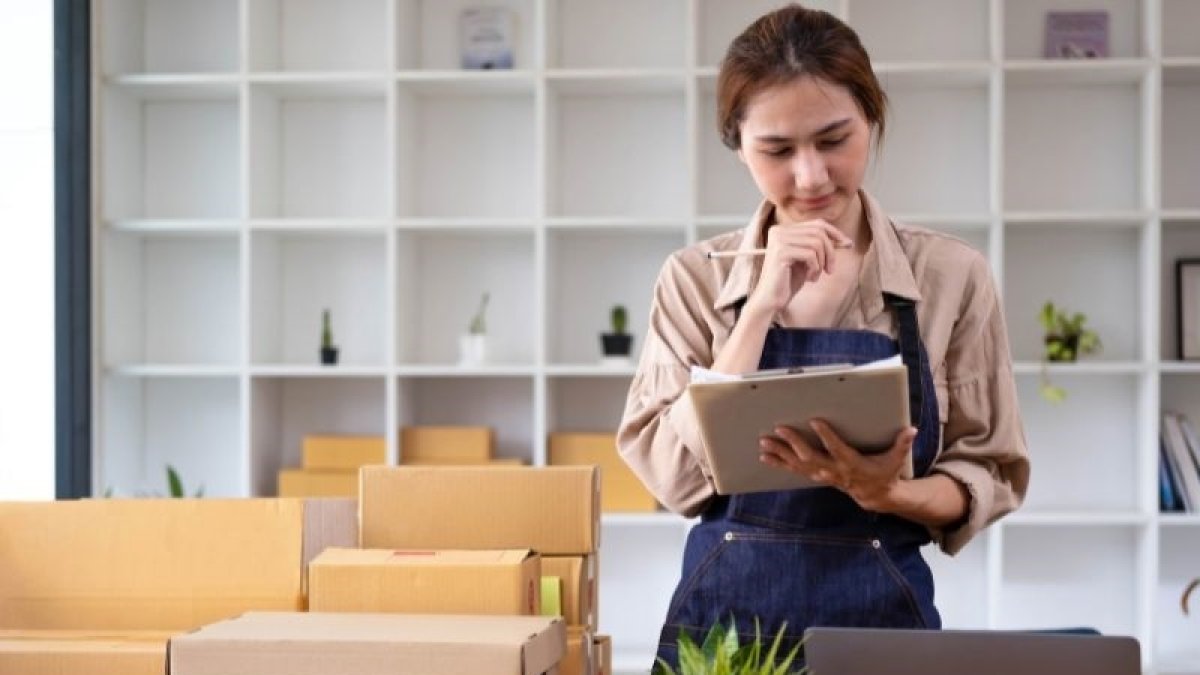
(472, 349)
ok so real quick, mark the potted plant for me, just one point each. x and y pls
(722, 655)
(617, 343)
(175, 485)
(1066, 339)
(329, 351)
(472, 346)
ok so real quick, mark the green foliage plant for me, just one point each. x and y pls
(175, 485)
(1067, 337)
(478, 325)
(619, 319)
(326, 331)
(721, 654)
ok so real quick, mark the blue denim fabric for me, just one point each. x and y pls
(809, 557)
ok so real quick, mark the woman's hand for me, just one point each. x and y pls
(871, 480)
(796, 253)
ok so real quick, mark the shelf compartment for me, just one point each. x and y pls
(1175, 633)
(188, 36)
(192, 424)
(725, 185)
(428, 33)
(286, 409)
(1025, 26)
(593, 172)
(582, 288)
(297, 275)
(1051, 72)
(1070, 439)
(171, 300)
(503, 403)
(934, 156)
(961, 583)
(1059, 577)
(616, 34)
(911, 31)
(1179, 21)
(1102, 281)
(720, 21)
(303, 35)
(1181, 145)
(586, 404)
(624, 575)
(170, 157)
(1096, 163)
(318, 149)
(1179, 394)
(1179, 240)
(465, 154)
(440, 279)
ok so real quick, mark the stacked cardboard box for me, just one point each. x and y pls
(454, 445)
(623, 490)
(330, 464)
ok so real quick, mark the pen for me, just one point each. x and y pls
(760, 251)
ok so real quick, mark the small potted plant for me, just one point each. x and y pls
(722, 655)
(1066, 339)
(472, 346)
(617, 343)
(329, 351)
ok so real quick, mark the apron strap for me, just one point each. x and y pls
(909, 337)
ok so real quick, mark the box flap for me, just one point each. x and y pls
(383, 556)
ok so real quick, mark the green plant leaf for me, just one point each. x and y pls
(174, 484)
(1053, 394)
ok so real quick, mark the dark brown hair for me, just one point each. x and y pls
(785, 44)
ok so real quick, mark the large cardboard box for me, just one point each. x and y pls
(370, 644)
(425, 582)
(318, 483)
(446, 445)
(343, 453)
(602, 655)
(579, 659)
(578, 575)
(71, 652)
(552, 510)
(622, 490)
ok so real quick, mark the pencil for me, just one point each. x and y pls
(758, 251)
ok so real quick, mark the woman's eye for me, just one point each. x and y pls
(778, 152)
(832, 142)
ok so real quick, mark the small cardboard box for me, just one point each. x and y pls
(273, 643)
(70, 652)
(579, 659)
(343, 453)
(578, 575)
(552, 510)
(446, 445)
(318, 483)
(602, 654)
(622, 490)
(425, 582)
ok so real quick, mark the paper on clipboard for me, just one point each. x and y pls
(867, 405)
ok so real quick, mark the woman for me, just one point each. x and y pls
(839, 281)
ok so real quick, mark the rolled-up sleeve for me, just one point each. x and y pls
(658, 436)
(984, 441)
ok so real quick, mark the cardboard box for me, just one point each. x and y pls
(552, 510)
(47, 653)
(425, 582)
(446, 445)
(370, 644)
(314, 483)
(621, 490)
(579, 587)
(149, 564)
(579, 659)
(327, 523)
(343, 453)
(602, 655)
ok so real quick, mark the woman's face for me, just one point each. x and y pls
(807, 145)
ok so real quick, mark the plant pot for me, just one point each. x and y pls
(616, 347)
(329, 356)
(1069, 342)
(472, 349)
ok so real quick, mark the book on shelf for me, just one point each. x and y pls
(1076, 35)
(1169, 498)
(486, 38)
(1183, 458)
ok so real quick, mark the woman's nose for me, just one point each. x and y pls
(808, 169)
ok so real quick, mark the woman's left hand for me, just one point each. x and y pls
(868, 479)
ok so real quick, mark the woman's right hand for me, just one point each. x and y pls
(796, 253)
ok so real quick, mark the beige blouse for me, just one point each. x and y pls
(961, 322)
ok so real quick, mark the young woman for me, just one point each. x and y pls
(839, 281)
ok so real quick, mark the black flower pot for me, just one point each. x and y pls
(1069, 344)
(616, 344)
(329, 356)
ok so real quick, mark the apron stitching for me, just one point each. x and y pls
(901, 582)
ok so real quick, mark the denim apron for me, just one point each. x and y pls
(813, 557)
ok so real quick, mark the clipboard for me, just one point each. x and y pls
(866, 407)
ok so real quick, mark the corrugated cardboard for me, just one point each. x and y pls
(579, 587)
(370, 644)
(425, 582)
(313, 483)
(327, 523)
(446, 444)
(71, 652)
(602, 655)
(579, 659)
(343, 453)
(622, 490)
(147, 564)
(552, 510)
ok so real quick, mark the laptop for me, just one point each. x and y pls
(879, 651)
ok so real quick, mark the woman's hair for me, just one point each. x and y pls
(788, 43)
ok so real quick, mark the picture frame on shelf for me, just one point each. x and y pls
(486, 38)
(1187, 307)
(1076, 35)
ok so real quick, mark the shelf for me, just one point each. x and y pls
(467, 82)
(1179, 520)
(1183, 367)
(616, 82)
(179, 226)
(190, 36)
(591, 370)
(176, 86)
(1042, 73)
(630, 224)
(933, 75)
(659, 519)
(1081, 368)
(1118, 219)
(1024, 27)
(156, 370)
(290, 370)
(1181, 215)
(450, 370)
(330, 226)
(1026, 518)
(312, 84)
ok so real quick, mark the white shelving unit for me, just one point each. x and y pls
(260, 160)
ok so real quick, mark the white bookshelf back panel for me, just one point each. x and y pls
(428, 32)
(580, 404)
(297, 276)
(1025, 25)
(1180, 18)
(721, 21)
(915, 30)
(185, 36)
(617, 33)
(1179, 240)
(1180, 393)
(1102, 281)
(620, 155)
(1070, 577)
(1181, 144)
(503, 403)
(314, 35)
(726, 187)
(635, 596)
(960, 584)
(1179, 549)
(583, 285)
(1069, 439)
